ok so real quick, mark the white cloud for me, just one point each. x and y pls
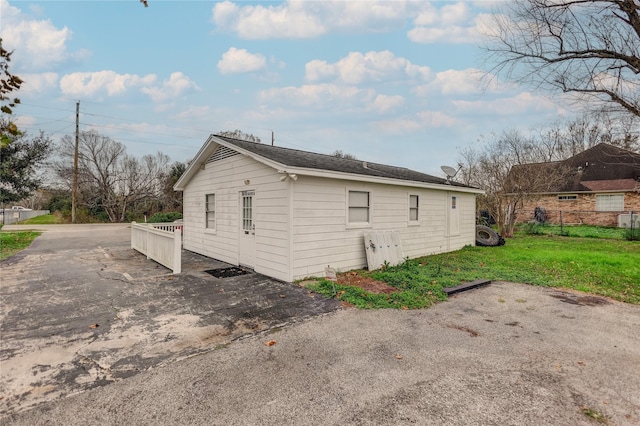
(519, 104)
(317, 96)
(433, 119)
(38, 44)
(423, 120)
(91, 83)
(399, 126)
(289, 20)
(449, 82)
(176, 85)
(384, 103)
(357, 68)
(36, 83)
(109, 82)
(241, 61)
(307, 19)
(452, 23)
(195, 112)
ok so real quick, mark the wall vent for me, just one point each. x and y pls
(221, 153)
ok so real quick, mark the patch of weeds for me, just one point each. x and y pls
(520, 300)
(533, 228)
(408, 298)
(595, 415)
(220, 346)
(12, 242)
(501, 300)
(631, 234)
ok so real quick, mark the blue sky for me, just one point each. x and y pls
(394, 82)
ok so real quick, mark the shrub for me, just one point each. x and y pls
(533, 228)
(165, 217)
(631, 234)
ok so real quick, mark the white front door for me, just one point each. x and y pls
(247, 238)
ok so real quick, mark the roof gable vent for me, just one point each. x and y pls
(221, 153)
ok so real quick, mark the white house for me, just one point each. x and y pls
(289, 214)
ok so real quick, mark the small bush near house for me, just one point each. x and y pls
(165, 217)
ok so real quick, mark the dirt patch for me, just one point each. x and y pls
(367, 284)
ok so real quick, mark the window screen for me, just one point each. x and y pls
(358, 207)
(413, 207)
(211, 211)
(609, 202)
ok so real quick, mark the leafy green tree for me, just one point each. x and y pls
(19, 159)
(8, 83)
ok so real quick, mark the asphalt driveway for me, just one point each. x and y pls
(505, 354)
(80, 309)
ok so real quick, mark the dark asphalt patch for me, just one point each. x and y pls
(575, 299)
(232, 271)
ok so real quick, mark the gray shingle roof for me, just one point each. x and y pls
(311, 160)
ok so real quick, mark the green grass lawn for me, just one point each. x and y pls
(599, 266)
(47, 219)
(13, 242)
(581, 231)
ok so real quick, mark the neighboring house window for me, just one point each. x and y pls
(211, 211)
(358, 207)
(609, 202)
(567, 197)
(413, 207)
(453, 202)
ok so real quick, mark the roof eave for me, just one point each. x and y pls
(377, 179)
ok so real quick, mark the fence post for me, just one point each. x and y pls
(177, 251)
(560, 222)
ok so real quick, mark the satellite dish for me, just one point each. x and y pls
(449, 171)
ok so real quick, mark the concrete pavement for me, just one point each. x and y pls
(80, 309)
(507, 354)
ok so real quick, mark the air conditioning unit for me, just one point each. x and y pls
(624, 220)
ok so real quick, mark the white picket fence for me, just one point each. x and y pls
(161, 242)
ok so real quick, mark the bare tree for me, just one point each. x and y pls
(566, 138)
(589, 48)
(338, 153)
(239, 134)
(495, 169)
(109, 178)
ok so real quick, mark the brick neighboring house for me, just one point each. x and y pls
(604, 183)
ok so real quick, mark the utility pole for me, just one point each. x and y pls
(272, 138)
(74, 190)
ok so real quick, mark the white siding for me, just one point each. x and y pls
(318, 228)
(226, 178)
(322, 237)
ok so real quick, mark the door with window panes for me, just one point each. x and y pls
(247, 238)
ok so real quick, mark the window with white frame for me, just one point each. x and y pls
(413, 207)
(609, 202)
(359, 207)
(211, 211)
